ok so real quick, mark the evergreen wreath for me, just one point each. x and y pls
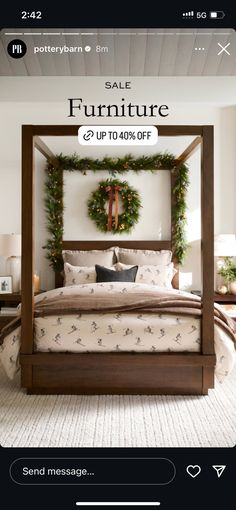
(121, 223)
(54, 194)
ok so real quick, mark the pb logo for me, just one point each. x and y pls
(17, 48)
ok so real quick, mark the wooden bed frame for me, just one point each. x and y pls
(118, 373)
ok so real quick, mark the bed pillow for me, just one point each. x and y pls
(106, 275)
(88, 258)
(154, 275)
(75, 275)
(143, 257)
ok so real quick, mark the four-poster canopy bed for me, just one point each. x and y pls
(119, 372)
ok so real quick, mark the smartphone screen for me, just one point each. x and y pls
(117, 258)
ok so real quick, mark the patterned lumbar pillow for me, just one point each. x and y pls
(106, 275)
(154, 275)
(76, 275)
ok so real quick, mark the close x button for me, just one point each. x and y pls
(223, 48)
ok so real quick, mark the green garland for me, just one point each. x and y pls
(179, 208)
(54, 194)
(131, 203)
(117, 165)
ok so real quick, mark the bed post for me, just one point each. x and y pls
(27, 297)
(207, 225)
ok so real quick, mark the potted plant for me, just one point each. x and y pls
(228, 271)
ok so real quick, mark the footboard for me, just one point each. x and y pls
(118, 373)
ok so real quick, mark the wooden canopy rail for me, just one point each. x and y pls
(44, 149)
(147, 373)
(189, 151)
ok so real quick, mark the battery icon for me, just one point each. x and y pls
(217, 14)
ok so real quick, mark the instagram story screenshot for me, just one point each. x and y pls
(117, 258)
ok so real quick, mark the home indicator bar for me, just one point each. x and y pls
(117, 503)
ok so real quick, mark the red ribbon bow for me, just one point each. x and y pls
(111, 190)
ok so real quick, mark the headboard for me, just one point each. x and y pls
(103, 245)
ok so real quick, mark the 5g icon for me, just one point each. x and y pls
(17, 48)
(201, 15)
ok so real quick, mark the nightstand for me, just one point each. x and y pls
(225, 298)
(227, 301)
(10, 300)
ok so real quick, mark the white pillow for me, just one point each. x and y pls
(143, 257)
(161, 275)
(88, 258)
(76, 275)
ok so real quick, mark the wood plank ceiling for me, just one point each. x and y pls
(136, 53)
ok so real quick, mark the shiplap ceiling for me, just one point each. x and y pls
(130, 53)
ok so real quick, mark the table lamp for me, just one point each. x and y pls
(10, 247)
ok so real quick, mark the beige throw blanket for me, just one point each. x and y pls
(149, 301)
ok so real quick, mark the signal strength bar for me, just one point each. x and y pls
(189, 14)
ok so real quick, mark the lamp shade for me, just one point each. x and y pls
(225, 245)
(10, 245)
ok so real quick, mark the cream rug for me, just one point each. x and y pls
(117, 421)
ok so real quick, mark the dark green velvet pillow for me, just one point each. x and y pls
(107, 275)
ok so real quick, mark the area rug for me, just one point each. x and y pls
(117, 421)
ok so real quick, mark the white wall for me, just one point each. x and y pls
(155, 203)
(190, 89)
(155, 217)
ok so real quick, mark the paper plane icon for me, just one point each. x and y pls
(219, 470)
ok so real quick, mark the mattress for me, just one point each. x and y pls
(142, 332)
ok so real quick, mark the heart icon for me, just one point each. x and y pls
(193, 471)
